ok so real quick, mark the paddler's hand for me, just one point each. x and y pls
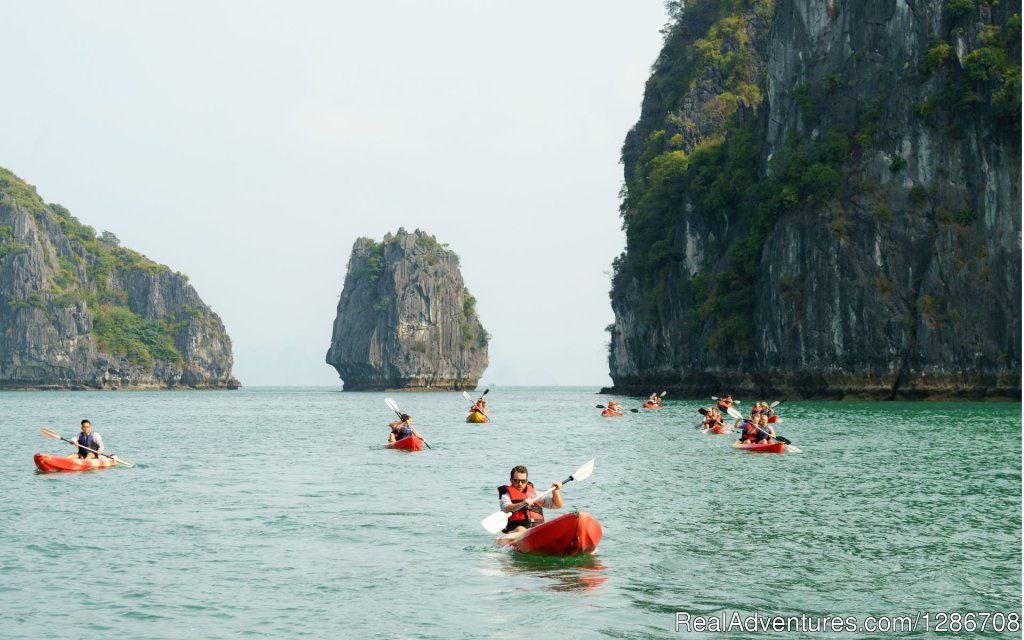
(556, 485)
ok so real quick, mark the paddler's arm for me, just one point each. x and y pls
(556, 495)
(553, 501)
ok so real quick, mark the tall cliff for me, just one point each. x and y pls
(79, 311)
(823, 199)
(405, 319)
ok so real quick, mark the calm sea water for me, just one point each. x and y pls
(277, 513)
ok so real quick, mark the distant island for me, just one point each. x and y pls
(79, 311)
(405, 319)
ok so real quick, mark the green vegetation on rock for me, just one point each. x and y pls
(116, 329)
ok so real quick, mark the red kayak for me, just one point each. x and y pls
(412, 443)
(719, 429)
(46, 462)
(775, 447)
(648, 405)
(773, 418)
(573, 534)
(608, 413)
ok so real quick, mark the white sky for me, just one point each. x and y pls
(248, 144)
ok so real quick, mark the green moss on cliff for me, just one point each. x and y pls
(987, 84)
(118, 330)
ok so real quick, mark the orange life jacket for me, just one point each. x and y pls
(528, 517)
(751, 433)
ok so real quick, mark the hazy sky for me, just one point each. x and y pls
(248, 144)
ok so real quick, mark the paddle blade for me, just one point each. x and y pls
(486, 391)
(734, 413)
(495, 522)
(794, 449)
(123, 461)
(702, 411)
(600, 406)
(392, 404)
(635, 410)
(775, 404)
(49, 434)
(664, 393)
(584, 472)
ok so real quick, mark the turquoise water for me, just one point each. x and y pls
(277, 513)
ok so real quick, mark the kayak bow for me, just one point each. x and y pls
(573, 534)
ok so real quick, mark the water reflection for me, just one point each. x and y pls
(581, 573)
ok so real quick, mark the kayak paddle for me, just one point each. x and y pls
(394, 407)
(497, 520)
(739, 416)
(51, 434)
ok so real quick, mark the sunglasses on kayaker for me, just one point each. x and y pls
(518, 480)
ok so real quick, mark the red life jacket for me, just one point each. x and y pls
(751, 433)
(528, 517)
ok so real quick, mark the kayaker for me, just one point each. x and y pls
(752, 433)
(654, 399)
(519, 492)
(614, 406)
(725, 402)
(480, 406)
(713, 419)
(402, 429)
(87, 438)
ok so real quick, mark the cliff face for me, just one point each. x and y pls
(405, 319)
(81, 312)
(823, 199)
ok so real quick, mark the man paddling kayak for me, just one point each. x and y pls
(519, 492)
(402, 429)
(87, 438)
